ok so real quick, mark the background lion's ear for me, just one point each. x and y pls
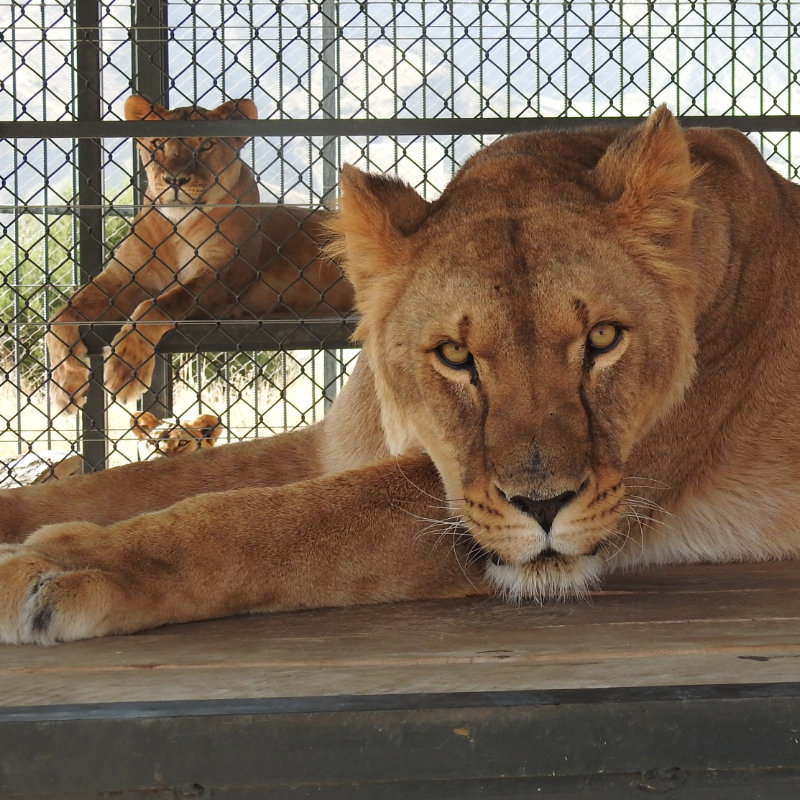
(648, 174)
(210, 426)
(139, 107)
(143, 422)
(375, 215)
(236, 109)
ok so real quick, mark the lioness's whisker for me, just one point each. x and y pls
(647, 519)
(416, 486)
(624, 538)
(641, 520)
(645, 478)
(643, 502)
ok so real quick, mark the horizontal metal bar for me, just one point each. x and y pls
(363, 127)
(431, 701)
(189, 336)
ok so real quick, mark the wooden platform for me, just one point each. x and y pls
(682, 680)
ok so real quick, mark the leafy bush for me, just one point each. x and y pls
(38, 272)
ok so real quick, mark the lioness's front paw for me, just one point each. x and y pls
(43, 604)
(129, 365)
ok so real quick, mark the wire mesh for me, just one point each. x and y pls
(474, 69)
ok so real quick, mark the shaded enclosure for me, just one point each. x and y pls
(403, 87)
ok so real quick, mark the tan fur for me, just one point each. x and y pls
(202, 247)
(582, 357)
(173, 437)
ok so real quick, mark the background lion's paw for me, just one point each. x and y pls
(126, 375)
(68, 387)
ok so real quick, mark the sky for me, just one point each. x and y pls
(395, 59)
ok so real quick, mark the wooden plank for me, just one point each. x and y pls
(680, 681)
(679, 625)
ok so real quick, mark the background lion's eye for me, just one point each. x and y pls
(604, 337)
(454, 355)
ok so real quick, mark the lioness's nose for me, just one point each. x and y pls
(543, 511)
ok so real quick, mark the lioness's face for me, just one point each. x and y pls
(527, 360)
(529, 347)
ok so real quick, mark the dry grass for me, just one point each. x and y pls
(248, 408)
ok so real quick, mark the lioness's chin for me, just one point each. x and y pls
(557, 577)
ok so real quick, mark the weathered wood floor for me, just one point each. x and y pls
(686, 639)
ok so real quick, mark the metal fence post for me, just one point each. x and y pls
(90, 216)
(331, 364)
(150, 78)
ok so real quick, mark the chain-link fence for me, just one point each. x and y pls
(405, 87)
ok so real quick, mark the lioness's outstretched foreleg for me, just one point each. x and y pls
(128, 368)
(379, 533)
(123, 492)
(112, 295)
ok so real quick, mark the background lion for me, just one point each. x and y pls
(583, 356)
(203, 247)
(173, 437)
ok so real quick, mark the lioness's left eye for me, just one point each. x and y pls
(206, 145)
(454, 355)
(603, 337)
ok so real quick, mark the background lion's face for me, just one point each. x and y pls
(535, 337)
(189, 171)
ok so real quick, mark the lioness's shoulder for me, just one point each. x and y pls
(725, 148)
(566, 154)
(567, 158)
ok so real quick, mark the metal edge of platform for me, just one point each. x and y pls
(237, 335)
(723, 741)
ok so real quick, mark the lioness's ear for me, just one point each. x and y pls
(139, 107)
(142, 422)
(375, 214)
(648, 174)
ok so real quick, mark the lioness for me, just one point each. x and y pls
(202, 247)
(583, 356)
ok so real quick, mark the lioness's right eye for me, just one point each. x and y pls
(603, 337)
(454, 355)
(156, 144)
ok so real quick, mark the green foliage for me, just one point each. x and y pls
(38, 272)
